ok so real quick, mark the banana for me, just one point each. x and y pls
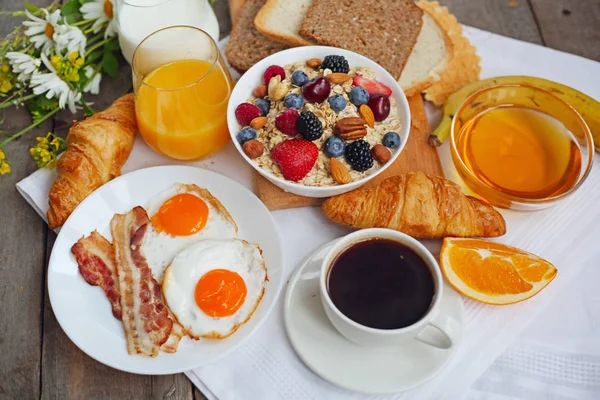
(588, 108)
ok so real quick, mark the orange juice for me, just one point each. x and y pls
(181, 109)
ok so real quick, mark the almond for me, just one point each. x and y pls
(339, 173)
(277, 90)
(381, 154)
(313, 63)
(350, 128)
(253, 148)
(367, 114)
(338, 77)
(258, 122)
(260, 91)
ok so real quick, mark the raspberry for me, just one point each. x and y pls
(287, 122)
(246, 112)
(295, 158)
(272, 71)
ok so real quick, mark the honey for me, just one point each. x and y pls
(520, 151)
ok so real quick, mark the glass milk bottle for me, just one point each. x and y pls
(139, 18)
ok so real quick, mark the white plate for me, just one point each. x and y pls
(84, 312)
(362, 369)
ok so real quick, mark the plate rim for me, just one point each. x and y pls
(292, 282)
(52, 261)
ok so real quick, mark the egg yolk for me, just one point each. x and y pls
(220, 292)
(182, 215)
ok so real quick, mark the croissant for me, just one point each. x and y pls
(97, 148)
(422, 206)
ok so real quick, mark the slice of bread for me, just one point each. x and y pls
(280, 20)
(428, 60)
(384, 31)
(246, 46)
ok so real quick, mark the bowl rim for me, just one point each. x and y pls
(511, 198)
(404, 130)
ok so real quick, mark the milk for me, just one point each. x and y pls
(139, 18)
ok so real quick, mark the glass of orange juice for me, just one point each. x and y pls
(182, 87)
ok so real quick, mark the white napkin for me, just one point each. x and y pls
(266, 367)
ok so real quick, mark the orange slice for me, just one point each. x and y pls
(493, 273)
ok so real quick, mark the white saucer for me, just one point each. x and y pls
(348, 365)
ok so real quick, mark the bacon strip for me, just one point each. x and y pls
(96, 261)
(145, 316)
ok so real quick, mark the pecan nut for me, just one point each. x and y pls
(351, 128)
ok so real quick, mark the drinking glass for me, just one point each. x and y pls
(182, 87)
(137, 19)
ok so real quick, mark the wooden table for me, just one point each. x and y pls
(37, 360)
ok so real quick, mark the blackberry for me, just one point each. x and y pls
(358, 155)
(336, 64)
(309, 126)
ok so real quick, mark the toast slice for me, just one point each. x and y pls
(384, 31)
(280, 20)
(429, 58)
(246, 45)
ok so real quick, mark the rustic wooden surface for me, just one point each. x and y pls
(37, 360)
(417, 155)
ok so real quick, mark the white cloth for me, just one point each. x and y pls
(266, 367)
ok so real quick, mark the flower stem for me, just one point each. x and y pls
(30, 127)
(11, 103)
(82, 22)
(99, 44)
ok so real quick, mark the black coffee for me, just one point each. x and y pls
(381, 283)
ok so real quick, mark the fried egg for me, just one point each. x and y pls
(213, 286)
(180, 216)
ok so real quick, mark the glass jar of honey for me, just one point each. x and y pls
(520, 147)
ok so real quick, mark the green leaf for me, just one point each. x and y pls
(94, 55)
(32, 9)
(112, 45)
(70, 8)
(110, 65)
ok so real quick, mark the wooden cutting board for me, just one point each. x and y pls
(417, 155)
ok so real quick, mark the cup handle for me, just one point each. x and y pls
(442, 332)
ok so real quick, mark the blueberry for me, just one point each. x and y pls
(294, 101)
(359, 96)
(264, 105)
(299, 78)
(337, 103)
(334, 147)
(245, 134)
(391, 140)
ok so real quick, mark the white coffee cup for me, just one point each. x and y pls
(434, 328)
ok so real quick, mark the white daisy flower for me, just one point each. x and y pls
(93, 86)
(103, 11)
(51, 84)
(23, 64)
(41, 30)
(70, 38)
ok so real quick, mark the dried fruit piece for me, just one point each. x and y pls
(381, 153)
(350, 128)
(258, 122)
(260, 91)
(367, 115)
(253, 148)
(339, 173)
(338, 77)
(313, 63)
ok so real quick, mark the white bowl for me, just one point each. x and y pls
(254, 77)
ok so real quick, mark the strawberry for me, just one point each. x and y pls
(272, 71)
(371, 85)
(287, 122)
(246, 112)
(295, 158)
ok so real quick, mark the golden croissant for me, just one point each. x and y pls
(97, 148)
(422, 206)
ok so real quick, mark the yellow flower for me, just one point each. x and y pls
(68, 69)
(46, 150)
(5, 67)
(4, 165)
(6, 78)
